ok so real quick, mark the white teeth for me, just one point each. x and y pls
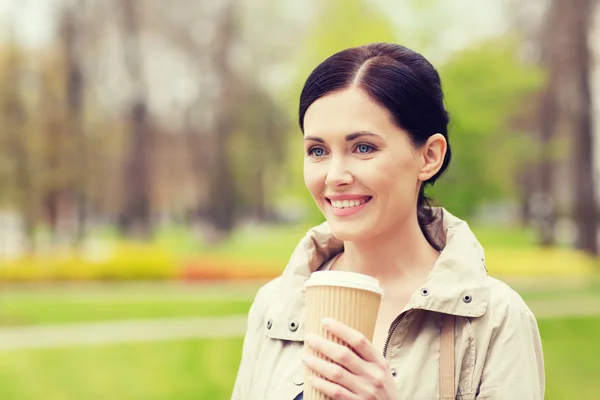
(347, 203)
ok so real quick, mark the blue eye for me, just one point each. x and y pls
(364, 148)
(316, 152)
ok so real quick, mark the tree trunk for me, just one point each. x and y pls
(76, 134)
(545, 207)
(222, 187)
(579, 112)
(566, 106)
(136, 213)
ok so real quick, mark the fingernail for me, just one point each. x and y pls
(326, 322)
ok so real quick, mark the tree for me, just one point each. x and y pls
(258, 150)
(136, 212)
(18, 143)
(75, 94)
(565, 115)
(544, 203)
(484, 87)
(574, 25)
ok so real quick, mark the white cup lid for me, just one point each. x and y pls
(344, 279)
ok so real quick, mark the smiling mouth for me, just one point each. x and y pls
(341, 204)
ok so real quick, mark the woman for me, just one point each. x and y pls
(375, 134)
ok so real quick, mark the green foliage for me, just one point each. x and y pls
(484, 88)
(345, 23)
(257, 147)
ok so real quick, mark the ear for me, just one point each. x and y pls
(432, 154)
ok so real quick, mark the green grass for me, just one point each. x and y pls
(191, 369)
(47, 310)
(120, 302)
(569, 293)
(101, 302)
(571, 349)
(205, 369)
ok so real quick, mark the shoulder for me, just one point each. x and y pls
(506, 308)
(264, 297)
(504, 299)
(268, 290)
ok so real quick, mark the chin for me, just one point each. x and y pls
(348, 231)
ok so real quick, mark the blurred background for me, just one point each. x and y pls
(151, 175)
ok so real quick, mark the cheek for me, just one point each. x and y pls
(395, 177)
(314, 179)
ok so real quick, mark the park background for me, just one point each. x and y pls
(151, 175)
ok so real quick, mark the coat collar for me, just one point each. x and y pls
(456, 284)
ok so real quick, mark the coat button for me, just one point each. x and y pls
(467, 298)
(424, 292)
(298, 378)
(269, 324)
(394, 372)
(293, 326)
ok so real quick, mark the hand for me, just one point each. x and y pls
(360, 373)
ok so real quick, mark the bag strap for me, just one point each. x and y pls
(447, 358)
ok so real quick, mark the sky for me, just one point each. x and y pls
(467, 19)
(33, 20)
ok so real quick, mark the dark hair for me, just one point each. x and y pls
(400, 80)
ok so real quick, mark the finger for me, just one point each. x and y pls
(356, 340)
(332, 372)
(337, 353)
(331, 389)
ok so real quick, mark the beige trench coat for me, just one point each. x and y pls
(498, 352)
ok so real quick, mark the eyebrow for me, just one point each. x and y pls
(349, 137)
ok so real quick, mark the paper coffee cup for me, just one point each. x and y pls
(348, 297)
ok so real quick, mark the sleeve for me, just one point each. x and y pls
(241, 389)
(514, 368)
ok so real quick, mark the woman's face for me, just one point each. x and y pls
(361, 169)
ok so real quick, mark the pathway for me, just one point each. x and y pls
(129, 331)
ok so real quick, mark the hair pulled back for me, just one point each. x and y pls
(398, 79)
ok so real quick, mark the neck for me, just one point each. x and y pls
(402, 254)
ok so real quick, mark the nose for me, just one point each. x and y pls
(338, 173)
